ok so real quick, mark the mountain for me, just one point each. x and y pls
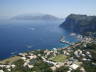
(36, 17)
(79, 23)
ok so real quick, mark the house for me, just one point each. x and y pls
(2, 66)
(82, 69)
(23, 58)
(68, 63)
(45, 51)
(76, 54)
(66, 53)
(26, 63)
(1, 71)
(85, 45)
(89, 54)
(53, 68)
(30, 66)
(9, 70)
(94, 63)
(69, 71)
(32, 57)
(84, 59)
(83, 55)
(55, 51)
(48, 53)
(74, 66)
(8, 66)
(22, 54)
(79, 51)
(13, 66)
(39, 55)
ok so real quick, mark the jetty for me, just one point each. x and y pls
(62, 40)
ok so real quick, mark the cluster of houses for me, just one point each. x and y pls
(7, 67)
(73, 62)
(27, 57)
(83, 55)
(87, 39)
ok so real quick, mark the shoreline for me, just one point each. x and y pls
(17, 57)
(12, 58)
(56, 58)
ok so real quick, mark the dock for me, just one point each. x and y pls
(62, 40)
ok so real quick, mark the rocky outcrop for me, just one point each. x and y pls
(79, 23)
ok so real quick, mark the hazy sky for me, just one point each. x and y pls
(59, 8)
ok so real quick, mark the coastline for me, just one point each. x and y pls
(17, 57)
(52, 60)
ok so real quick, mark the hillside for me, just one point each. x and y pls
(80, 23)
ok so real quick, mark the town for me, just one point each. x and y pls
(73, 58)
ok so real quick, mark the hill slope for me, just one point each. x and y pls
(80, 23)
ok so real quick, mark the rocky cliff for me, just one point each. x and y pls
(80, 23)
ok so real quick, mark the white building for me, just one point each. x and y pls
(76, 54)
(9, 70)
(13, 66)
(1, 71)
(23, 58)
(30, 66)
(74, 66)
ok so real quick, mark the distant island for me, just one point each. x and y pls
(80, 23)
(36, 17)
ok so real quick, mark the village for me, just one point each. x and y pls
(71, 57)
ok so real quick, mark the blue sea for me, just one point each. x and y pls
(22, 36)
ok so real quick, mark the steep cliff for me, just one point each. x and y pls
(79, 23)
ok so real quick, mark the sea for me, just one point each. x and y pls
(18, 36)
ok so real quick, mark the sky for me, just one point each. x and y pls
(59, 8)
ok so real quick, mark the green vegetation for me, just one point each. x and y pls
(77, 70)
(89, 67)
(40, 66)
(92, 48)
(59, 58)
(62, 69)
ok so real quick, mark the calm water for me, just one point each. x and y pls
(20, 36)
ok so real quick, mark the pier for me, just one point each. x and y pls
(66, 42)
